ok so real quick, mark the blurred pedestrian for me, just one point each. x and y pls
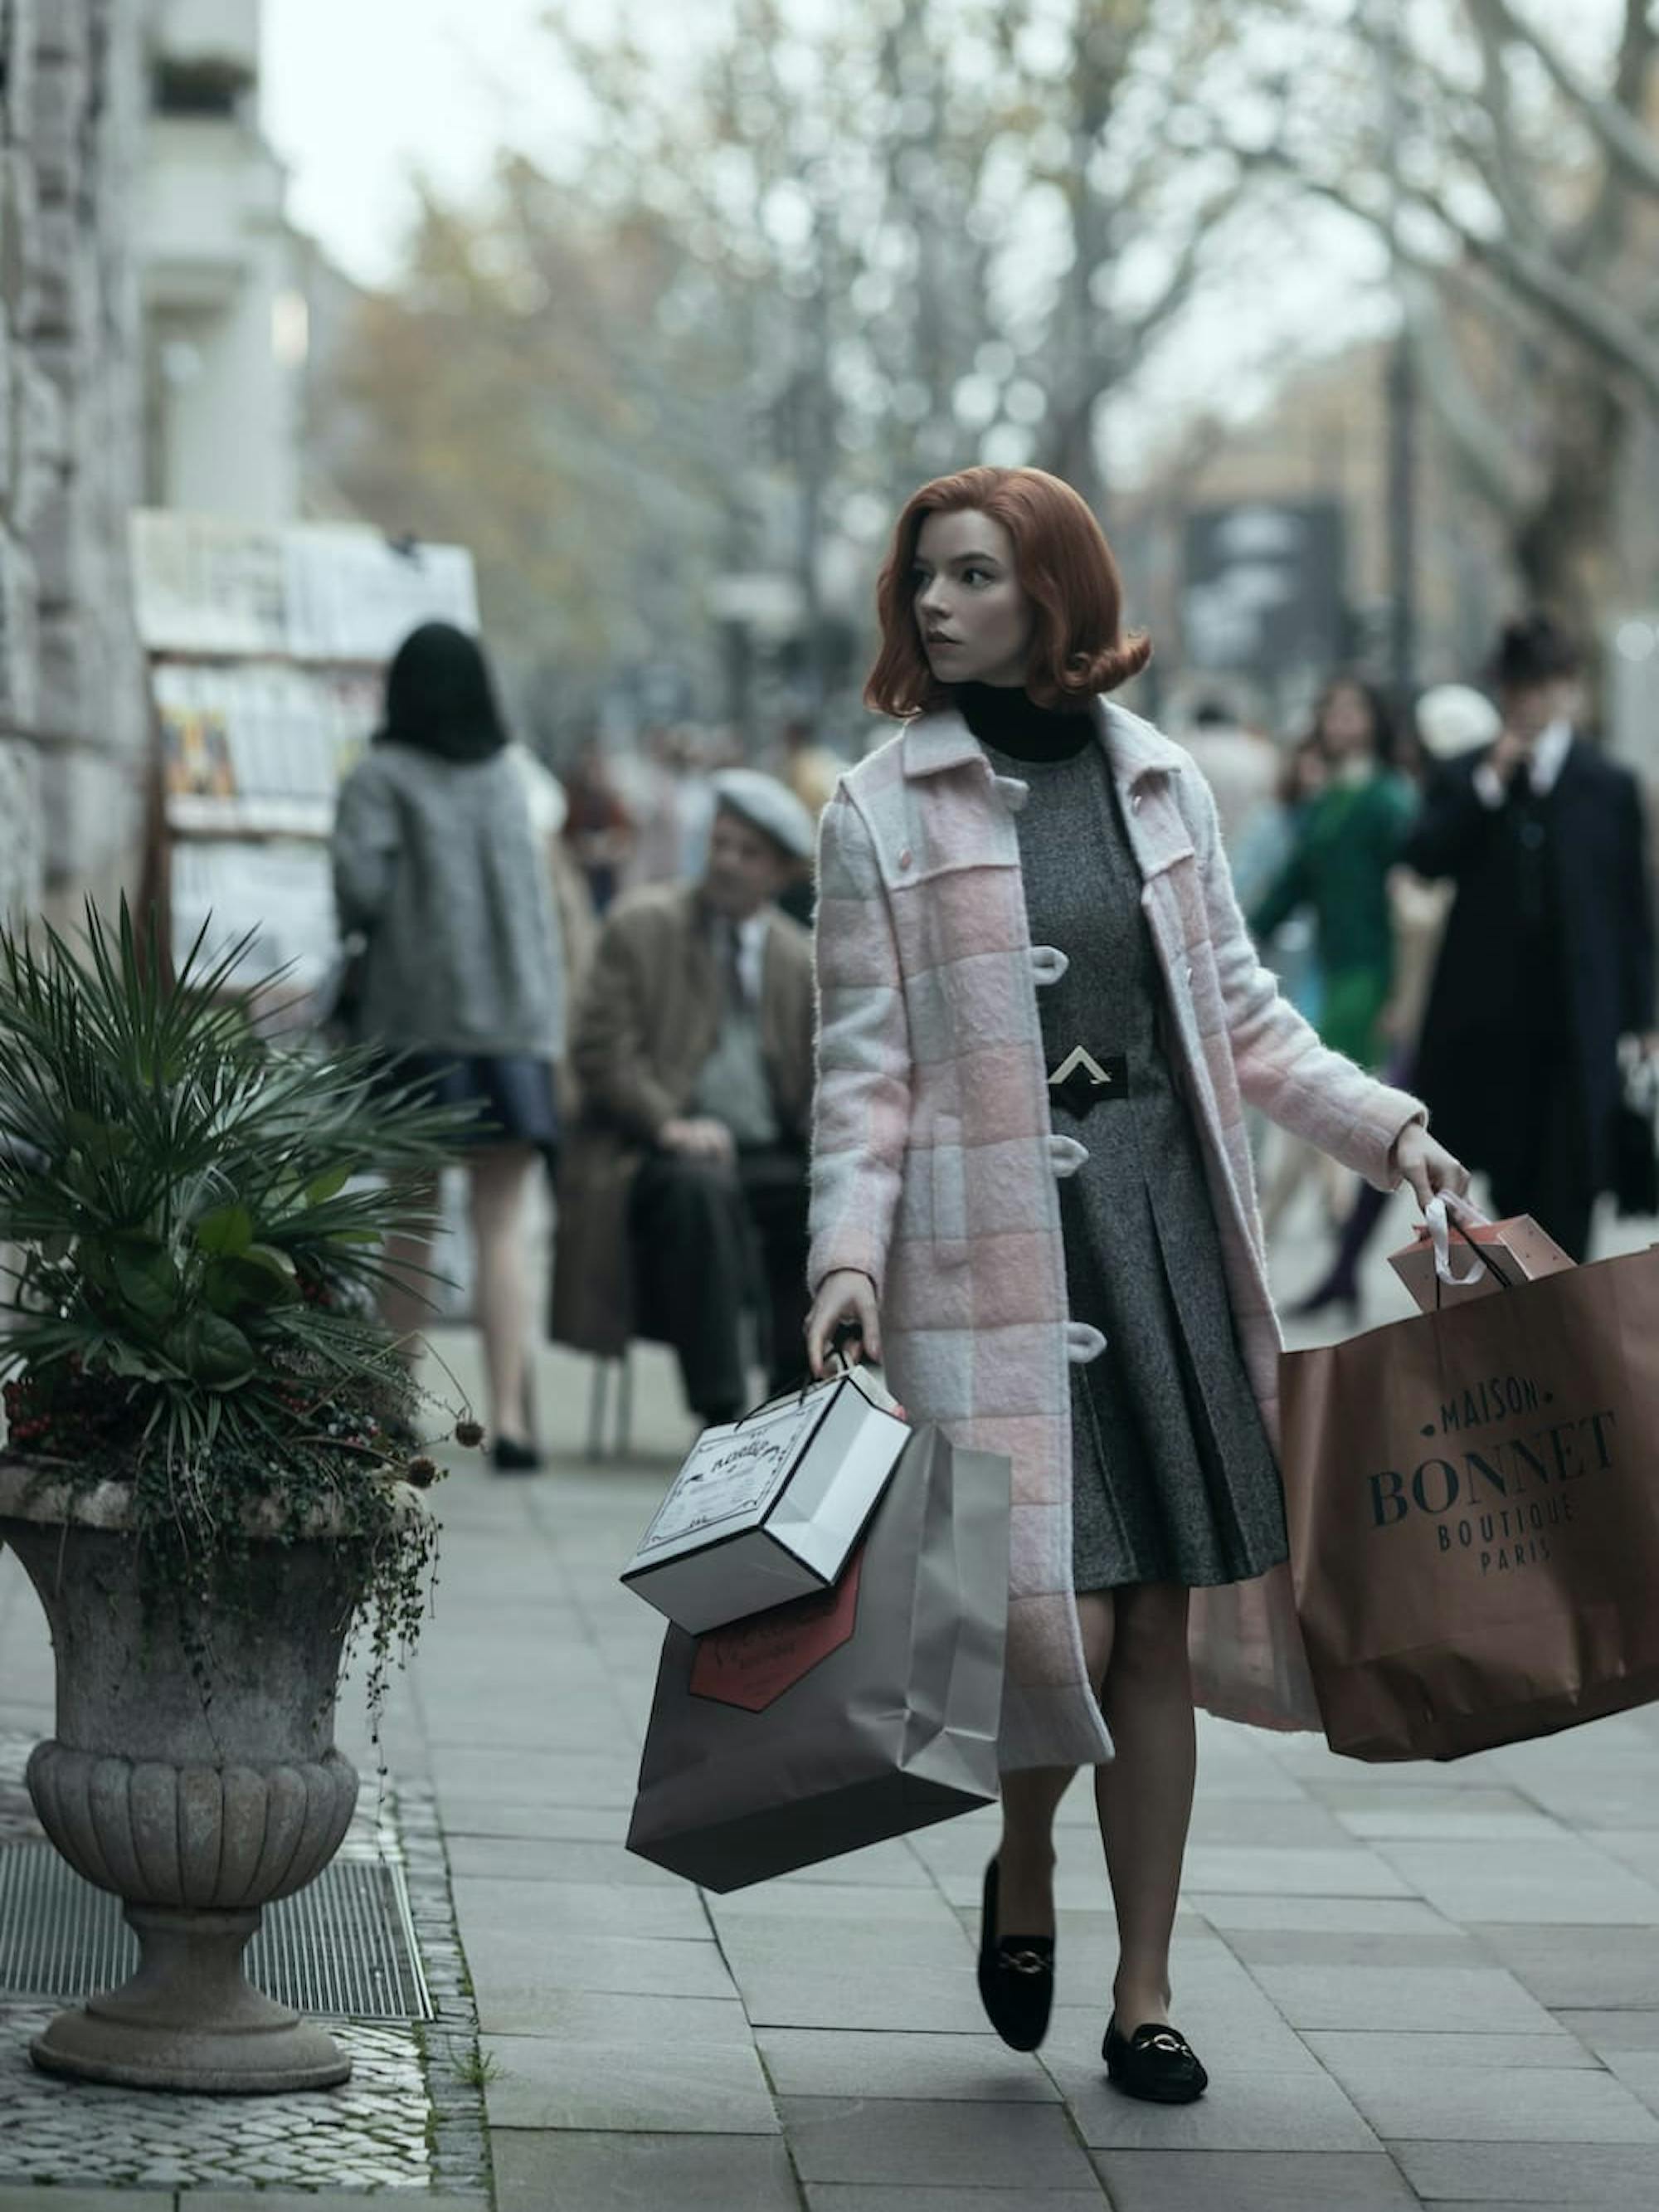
(1265, 843)
(1031, 1193)
(436, 866)
(1240, 766)
(1450, 720)
(683, 1195)
(1347, 840)
(599, 827)
(1548, 958)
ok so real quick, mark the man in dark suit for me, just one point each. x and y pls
(1547, 959)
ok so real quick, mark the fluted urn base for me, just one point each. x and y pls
(189, 2019)
(195, 1802)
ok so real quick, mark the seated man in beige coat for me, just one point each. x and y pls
(683, 1186)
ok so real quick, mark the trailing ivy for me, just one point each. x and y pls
(196, 1219)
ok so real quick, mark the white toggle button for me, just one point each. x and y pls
(1011, 791)
(1049, 963)
(1084, 1342)
(1066, 1156)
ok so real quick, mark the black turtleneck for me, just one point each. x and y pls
(1005, 718)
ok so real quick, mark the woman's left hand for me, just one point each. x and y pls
(1426, 1166)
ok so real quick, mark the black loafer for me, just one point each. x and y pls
(1016, 1975)
(508, 1456)
(1155, 2063)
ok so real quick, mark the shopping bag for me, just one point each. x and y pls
(1473, 1498)
(1635, 1154)
(839, 1720)
(1459, 1254)
(768, 1508)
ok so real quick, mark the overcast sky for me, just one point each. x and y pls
(359, 93)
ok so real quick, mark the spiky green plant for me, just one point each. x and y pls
(195, 1245)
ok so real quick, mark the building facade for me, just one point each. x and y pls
(72, 714)
(151, 353)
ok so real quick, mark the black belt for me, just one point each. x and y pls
(1081, 1081)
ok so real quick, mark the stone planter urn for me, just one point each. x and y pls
(197, 1803)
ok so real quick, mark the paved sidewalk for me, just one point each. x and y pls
(1413, 1984)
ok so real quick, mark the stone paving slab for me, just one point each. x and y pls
(1344, 2053)
(1588, 2177)
(580, 2173)
(29, 2199)
(1412, 2103)
(1305, 2112)
(323, 2200)
(938, 2146)
(1166, 2180)
(628, 2083)
(1484, 1999)
(838, 2197)
(850, 2062)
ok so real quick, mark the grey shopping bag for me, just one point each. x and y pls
(843, 1718)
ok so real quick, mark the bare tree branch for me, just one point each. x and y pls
(1584, 312)
(1506, 167)
(1614, 118)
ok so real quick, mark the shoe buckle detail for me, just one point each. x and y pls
(1024, 1962)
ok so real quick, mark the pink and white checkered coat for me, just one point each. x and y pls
(934, 1168)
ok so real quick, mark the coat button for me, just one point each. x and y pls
(905, 858)
(1134, 802)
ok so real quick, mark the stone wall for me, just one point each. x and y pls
(73, 712)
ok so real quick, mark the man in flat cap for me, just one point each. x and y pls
(683, 1186)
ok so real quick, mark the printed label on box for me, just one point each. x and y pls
(731, 1475)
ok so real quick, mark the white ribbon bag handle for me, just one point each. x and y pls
(1436, 1219)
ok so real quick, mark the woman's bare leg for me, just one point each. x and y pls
(1144, 1797)
(406, 1303)
(1025, 1858)
(499, 1179)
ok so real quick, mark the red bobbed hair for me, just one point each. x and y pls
(1065, 567)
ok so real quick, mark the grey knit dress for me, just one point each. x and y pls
(1173, 1479)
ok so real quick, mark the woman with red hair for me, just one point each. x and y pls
(1040, 1018)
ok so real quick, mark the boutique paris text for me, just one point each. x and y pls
(1512, 1481)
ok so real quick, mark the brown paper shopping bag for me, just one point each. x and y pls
(833, 1722)
(1473, 1506)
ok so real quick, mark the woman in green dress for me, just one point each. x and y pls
(1348, 839)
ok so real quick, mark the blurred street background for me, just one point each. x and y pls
(614, 333)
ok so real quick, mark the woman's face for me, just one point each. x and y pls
(1348, 725)
(973, 620)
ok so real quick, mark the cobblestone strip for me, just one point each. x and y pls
(457, 2136)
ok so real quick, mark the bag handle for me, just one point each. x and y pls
(1440, 1219)
(798, 1391)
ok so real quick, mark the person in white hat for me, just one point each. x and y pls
(1455, 718)
(683, 1194)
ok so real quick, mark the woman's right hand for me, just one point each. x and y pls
(843, 1296)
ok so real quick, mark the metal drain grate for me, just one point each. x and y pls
(346, 1946)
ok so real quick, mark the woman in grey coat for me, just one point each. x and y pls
(435, 865)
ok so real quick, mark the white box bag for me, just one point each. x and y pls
(768, 1508)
